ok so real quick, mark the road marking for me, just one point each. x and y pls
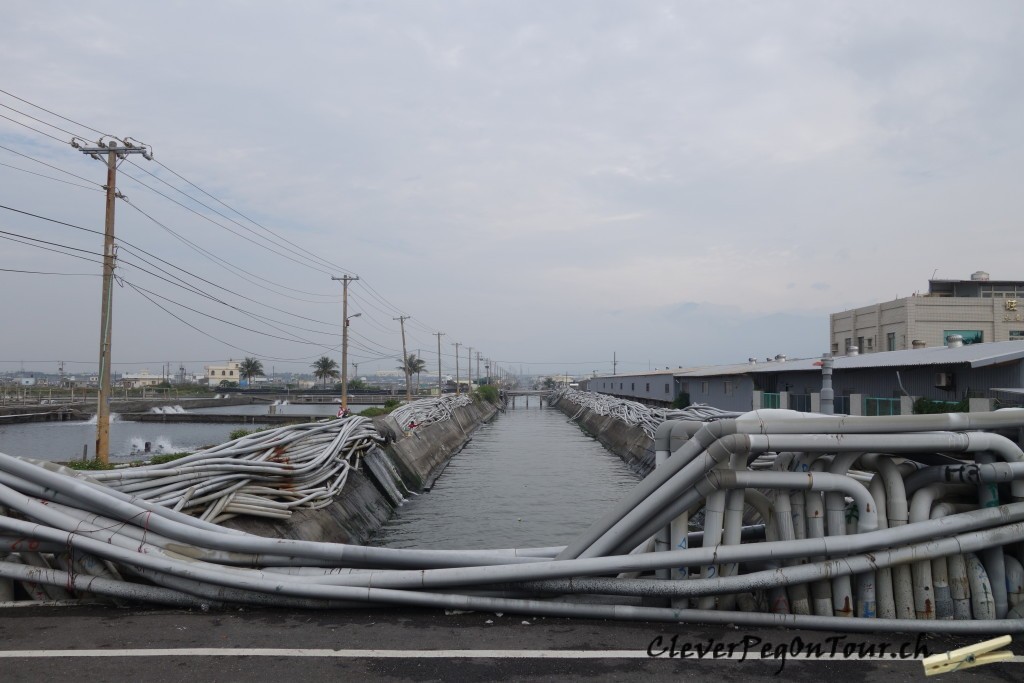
(411, 654)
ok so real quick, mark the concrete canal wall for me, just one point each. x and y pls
(362, 508)
(626, 441)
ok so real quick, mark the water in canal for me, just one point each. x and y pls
(528, 478)
(62, 441)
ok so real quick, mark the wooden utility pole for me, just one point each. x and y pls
(405, 359)
(345, 279)
(440, 389)
(456, 345)
(113, 152)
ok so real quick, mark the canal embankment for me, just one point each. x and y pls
(629, 442)
(364, 506)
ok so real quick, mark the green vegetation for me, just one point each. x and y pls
(682, 401)
(413, 366)
(88, 465)
(486, 393)
(549, 383)
(374, 412)
(325, 368)
(391, 404)
(250, 369)
(168, 457)
(924, 406)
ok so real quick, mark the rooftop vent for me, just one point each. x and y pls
(918, 344)
(954, 340)
(979, 276)
(752, 360)
(781, 358)
(853, 351)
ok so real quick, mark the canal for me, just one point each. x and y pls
(528, 478)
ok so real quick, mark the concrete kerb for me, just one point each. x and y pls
(628, 442)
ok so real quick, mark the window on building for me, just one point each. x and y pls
(870, 344)
(835, 348)
(632, 386)
(1016, 334)
(620, 386)
(890, 341)
(970, 336)
(666, 389)
(849, 343)
(222, 373)
(705, 388)
(727, 387)
(647, 387)
(860, 344)
(231, 372)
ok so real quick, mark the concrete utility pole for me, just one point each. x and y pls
(469, 369)
(405, 358)
(456, 345)
(478, 366)
(345, 279)
(113, 152)
(615, 364)
(440, 389)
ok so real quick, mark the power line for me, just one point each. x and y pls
(41, 272)
(45, 123)
(59, 180)
(56, 168)
(56, 114)
(224, 227)
(234, 270)
(52, 137)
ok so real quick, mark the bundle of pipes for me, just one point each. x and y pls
(638, 414)
(426, 410)
(266, 474)
(932, 543)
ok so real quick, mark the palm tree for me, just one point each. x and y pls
(250, 369)
(325, 368)
(413, 365)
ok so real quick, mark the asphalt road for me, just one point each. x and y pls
(110, 644)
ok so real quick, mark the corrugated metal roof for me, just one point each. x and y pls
(975, 355)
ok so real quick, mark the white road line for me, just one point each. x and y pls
(414, 654)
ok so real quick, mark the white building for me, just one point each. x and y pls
(230, 371)
(134, 380)
(979, 310)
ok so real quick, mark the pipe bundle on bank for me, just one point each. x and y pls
(926, 536)
(637, 414)
(424, 411)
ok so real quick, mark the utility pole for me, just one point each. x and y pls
(456, 345)
(405, 359)
(113, 152)
(345, 279)
(615, 364)
(469, 369)
(440, 389)
(478, 365)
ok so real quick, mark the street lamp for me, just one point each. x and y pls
(344, 364)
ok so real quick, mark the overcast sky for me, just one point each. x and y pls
(548, 182)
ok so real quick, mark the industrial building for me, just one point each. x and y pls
(979, 310)
(885, 382)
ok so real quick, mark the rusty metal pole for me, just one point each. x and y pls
(103, 398)
(112, 151)
(405, 359)
(345, 279)
(456, 345)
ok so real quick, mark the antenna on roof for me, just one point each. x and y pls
(933, 273)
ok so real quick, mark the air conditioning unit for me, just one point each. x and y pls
(944, 380)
